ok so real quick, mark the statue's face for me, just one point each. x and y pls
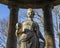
(30, 13)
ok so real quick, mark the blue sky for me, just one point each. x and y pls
(5, 12)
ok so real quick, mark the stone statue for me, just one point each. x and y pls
(28, 33)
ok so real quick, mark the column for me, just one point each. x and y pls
(11, 41)
(48, 27)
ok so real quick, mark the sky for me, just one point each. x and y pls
(5, 12)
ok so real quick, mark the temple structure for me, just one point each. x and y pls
(46, 5)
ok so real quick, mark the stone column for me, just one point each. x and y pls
(11, 41)
(48, 27)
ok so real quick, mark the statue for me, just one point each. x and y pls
(28, 33)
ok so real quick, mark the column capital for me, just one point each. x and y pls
(48, 6)
(13, 8)
(13, 5)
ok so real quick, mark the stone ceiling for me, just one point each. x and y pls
(30, 3)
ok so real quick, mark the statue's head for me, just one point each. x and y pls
(30, 13)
